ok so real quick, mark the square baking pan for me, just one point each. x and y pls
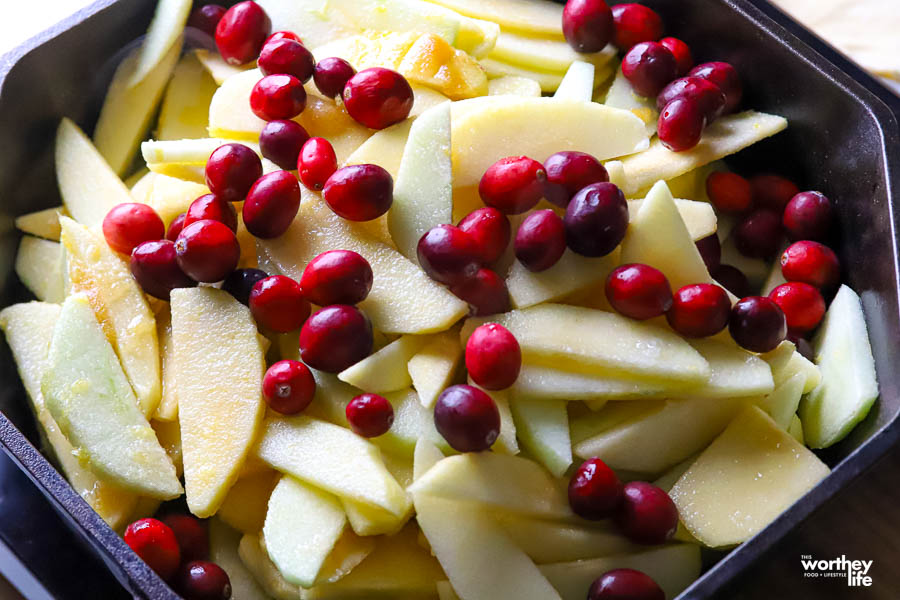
(843, 139)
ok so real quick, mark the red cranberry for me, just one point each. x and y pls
(595, 491)
(648, 67)
(710, 250)
(277, 303)
(337, 277)
(207, 251)
(278, 97)
(570, 172)
(316, 163)
(682, 53)
(485, 292)
(493, 357)
(378, 97)
(283, 35)
(708, 97)
(625, 584)
(513, 185)
(370, 415)
(540, 240)
(359, 192)
(802, 305)
(286, 57)
(647, 514)
(773, 191)
(596, 220)
(155, 543)
(335, 337)
(241, 32)
(231, 170)
(288, 387)
(272, 204)
(447, 254)
(332, 74)
(467, 418)
(203, 580)
(759, 234)
(681, 125)
(280, 141)
(240, 282)
(206, 17)
(729, 192)
(129, 224)
(638, 291)
(635, 23)
(214, 208)
(757, 323)
(699, 310)
(812, 263)
(808, 216)
(726, 77)
(154, 266)
(587, 25)
(490, 230)
(175, 227)
(803, 346)
(733, 280)
(193, 539)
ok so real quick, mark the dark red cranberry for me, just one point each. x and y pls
(568, 173)
(757, 323)
(681, 125)
(802, 305)
(277, 303)
(733, 280)
(316, 163)
(587, 25)
(240, 282)
(726, 77)
(155, 543)
(513, 185)
(337, 277)
(359, 192)
(803, 346)
(280, 141)
(540, 240)
(288, 387)
(485, 292)
(812, 263)
(648, 67)
(699, 310)
(490, 230)
(758, 235)
(682, 53)
(175, 227)
(710, 250)
(635, 23)
(773, 191)
(231, 170)
(283, 35)
(129, 224)
(212, 207)
(378, 97)
(286, 57)
(154, 266)
(808, 216)
(596, 219)
(493, 357)
(332, 74)
(370, 415)
(625, 584)
(192, 536)
(729, 192)
(647, 514)
(638, 291)
(708, 97)
(278, 97)
(271, 204)
(467, 418)
(207, 251)
(206, 17)
(595, 491)
(203, 580)
(241, 32)
(447, 254)
(335, 337)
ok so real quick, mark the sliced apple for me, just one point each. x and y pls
(426, 455)
(735, 372)
(543, 428)
(385, 370)
(245, 506)
(796, 429)
(167, 410)
(184, 159)
(535, 18)
(536, 382)
(216, 66)
(616, 171)
(348, 552)
(171, 197)
(185, 107)
(699, 217)
(168, 433)
(756, 270)
(578, 83)
(165, 30)
(223, 550)
(622, 95)
(600, 420)
(507, 442)
(512, 85)
(384, 148)
(546, 54)
(571, 273)
(784, 400)
(40, 267)
(255, 559)
(551, 542)
(43, 223)
(433, 367)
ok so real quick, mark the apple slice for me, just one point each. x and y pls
(774, 278)
(511, 85)
(746, 478)
(216, 66)
(597, 421)
(785, 362)
(796, 429)
(536, 18)
(385, 370)
(507, 442)
(43, 223)
(622, 95)
(223, 550)
(551, 542)
(245, 506)
(756, 270)
(735, 372)
(571, 273)
(170, 196)
(384, 148)
(40, 266)
(185, 106)
(426, 455)
(849, 386)
(536, 382)
(433, 367)
(578, 84)
(167, 410)
(348, 552)
(699, 217)
(255, 559)
(166, 27)
(543, 428)
(168, 433)
(783, 402)
(545, 54)
(186, 159)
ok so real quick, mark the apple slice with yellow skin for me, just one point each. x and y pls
(735, 372)
(514, 86)
(578, 83)
(255, 559)
(535, 18)
(384, 148)
(699, 217)
(165, 29)
(622, 95)
(543, 428)
(552, 542)
(223, 550)
(40, 266)
(543, 53)
(167, 410)
(571, 273)
(43, 223)
(216, 66)
(245, 506)
(433, 367)
(185, 106)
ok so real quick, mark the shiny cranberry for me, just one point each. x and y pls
(803, 346)
(726, 77)
(773, 191)
(570, 172)
(647, 514)
(596, 220)
(241, 32)
(288, 387)
(231, 170)
(280, 141)
(699, 310)
(758, 235)
(757, 323)
(635, 23)
(638, 291)
(595, 491)
(335, 337)
(206, 17)
(681, 125)
(277, 303)
(337, 277)
(587, 25)
(316, 163)
(733, 280)
(272, 204)
(155, 267)
(214, 208)
(207, 251)
(175, 227)
(467, 418)
(332, 74)
(129, 224)
(490, 230)
(447, 254)
(283, 35)
(648, 67)
(378, 97)
(729, 192)
(812, 263)
(278, 97)
(240, 282)
(710, 250)
(682, 53)
(192, 536)
(513, 185)
(286, 57)
(802, 305)
(625, 584)
(808, 216)
(485, 292)
(708, 97)
(493, 357)
(540, 240)
(359, 192)
(370, 415)
(203, 580)
(155, 543)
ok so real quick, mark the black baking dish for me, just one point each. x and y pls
(843, 138)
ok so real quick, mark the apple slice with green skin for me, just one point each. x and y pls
(543, 428)
(247, 502)
(735, 372)
(746, 478)
(433, 367)
(40, 266)
(783, 402)
(535, 18)
(571, 273)
(384, 148)
(849, 386)
(185, 106)
(699, 217)
(219, 367)
(165, 29)
(511, 85)
(578, 83)
(264, 572)
(796, 429)
(425, 456)
(552, 542)
(545, 54)
(385, 370)
(536, 382)
(612, 414)
(216, 66)
(167, 410)
(622, 95)
(223, 550)
(43, 223)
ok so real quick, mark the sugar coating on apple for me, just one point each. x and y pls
(493, 357)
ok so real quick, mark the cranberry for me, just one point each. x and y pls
(283, 35)
(288, 387)
(203, 580)
(705, 94)
(241, 32)
(378, 97)
(587, 25)
(733, 280)
(625, 584)
(812, 263)
(206, 17)
(212, 207)
(729, 192)
(332, 74)
(277, 303)
(280, 141)
(647, 514)
(447, 254)
(699, 310)
(682, 53)
(648, 67)
(493, 357)
(568, 173)
(207, 251)
(540, 240)
(337, 277)
(359, 192)
(335, 337)
(316, 163)
(272, 204)
(240, 282)
(278, 97)
(802, 305)
(595, 491)
(596, 220)
(370, 415)
(681, 125)
(129, 224)
(286, 57)
(155, 543)
(757, 323)
(759, 234)
(154, 266)
(773, 191)
(513, 185)
(467, 418)
(808, 216)
(193, 539)
(485, 292)
(710, 250)
(726, 77)
(635, 23)
(803, 346)
(175, 227)
(490, 230)
(231, 170)
(638, 291)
